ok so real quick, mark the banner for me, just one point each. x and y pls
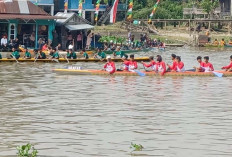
(80, 7)
(97, 9)
(129, 12)
(65, 6)
(113, 12)
(153, 11)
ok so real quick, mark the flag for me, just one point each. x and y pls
(65, 6)
(113, 12)
(129, 12)
(153, 11)
(80, 8)
(97, 9)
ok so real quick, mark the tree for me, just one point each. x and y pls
(209, 6)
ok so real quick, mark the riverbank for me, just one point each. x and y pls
(170, 35)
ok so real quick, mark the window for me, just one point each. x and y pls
(12, 31)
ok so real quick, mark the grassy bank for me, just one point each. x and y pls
(171, 35)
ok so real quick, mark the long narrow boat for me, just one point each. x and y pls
(125, 73)
(131, 51)
(70, 60)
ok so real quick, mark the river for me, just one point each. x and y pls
(70, 116)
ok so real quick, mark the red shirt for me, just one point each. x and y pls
(173, 65)
(179, 66)
(44, 47)
(201, 69)
(208, 67)
(152, 63)
(228, 66)
(161, 67)
(130, 65)
(110, 67)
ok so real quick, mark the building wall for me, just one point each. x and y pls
(88, 5)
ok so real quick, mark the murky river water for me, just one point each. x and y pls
(70, 116)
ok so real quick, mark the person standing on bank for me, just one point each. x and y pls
(89, 40)
(79, 41)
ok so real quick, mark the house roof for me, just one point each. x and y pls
(22, 9)
(70, 16)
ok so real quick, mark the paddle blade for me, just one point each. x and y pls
(140, 73)
(217, 74)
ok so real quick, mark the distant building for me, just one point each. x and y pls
(89, 7)
(46, 5)
(23, 20)
(223, 11)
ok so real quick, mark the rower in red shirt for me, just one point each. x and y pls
(173, 66)
(228, 67)
(200, 69)
(179, 65)
(207, 65)
(152, 63)
(160, 65)
(131, 64)
(109, 66)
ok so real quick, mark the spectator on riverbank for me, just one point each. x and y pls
(79, 41)
(4, 42)
(32, 39)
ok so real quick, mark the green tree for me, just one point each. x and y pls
(209, 5)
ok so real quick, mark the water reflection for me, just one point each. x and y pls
(101, 116)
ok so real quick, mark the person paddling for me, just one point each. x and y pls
(131, 64)
(173, 66)
(207, 65)
(15, 54)
(152, 63)
(179, 65)
(71, 54)
(55, 54)
(201, 68)
(40, 55)
(101, 55)
(110, 65)
(160, 65)
(27, 55)
(119, 52)
(85, 54)
(228, 67)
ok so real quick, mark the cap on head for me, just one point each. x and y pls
(108, 57)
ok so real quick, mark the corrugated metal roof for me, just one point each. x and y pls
(18, 6)
(66, 17)
(79, 27)
(28, 17)
(23, 7)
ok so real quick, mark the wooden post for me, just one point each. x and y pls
(229, 25)
(189, 28)
(194, 34)
(209, 26)
(179, 25)
(165, 25)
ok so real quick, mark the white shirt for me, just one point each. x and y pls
(3, 41)
(70, 47)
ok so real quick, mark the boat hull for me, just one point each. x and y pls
(70, 60)
(126, 73)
